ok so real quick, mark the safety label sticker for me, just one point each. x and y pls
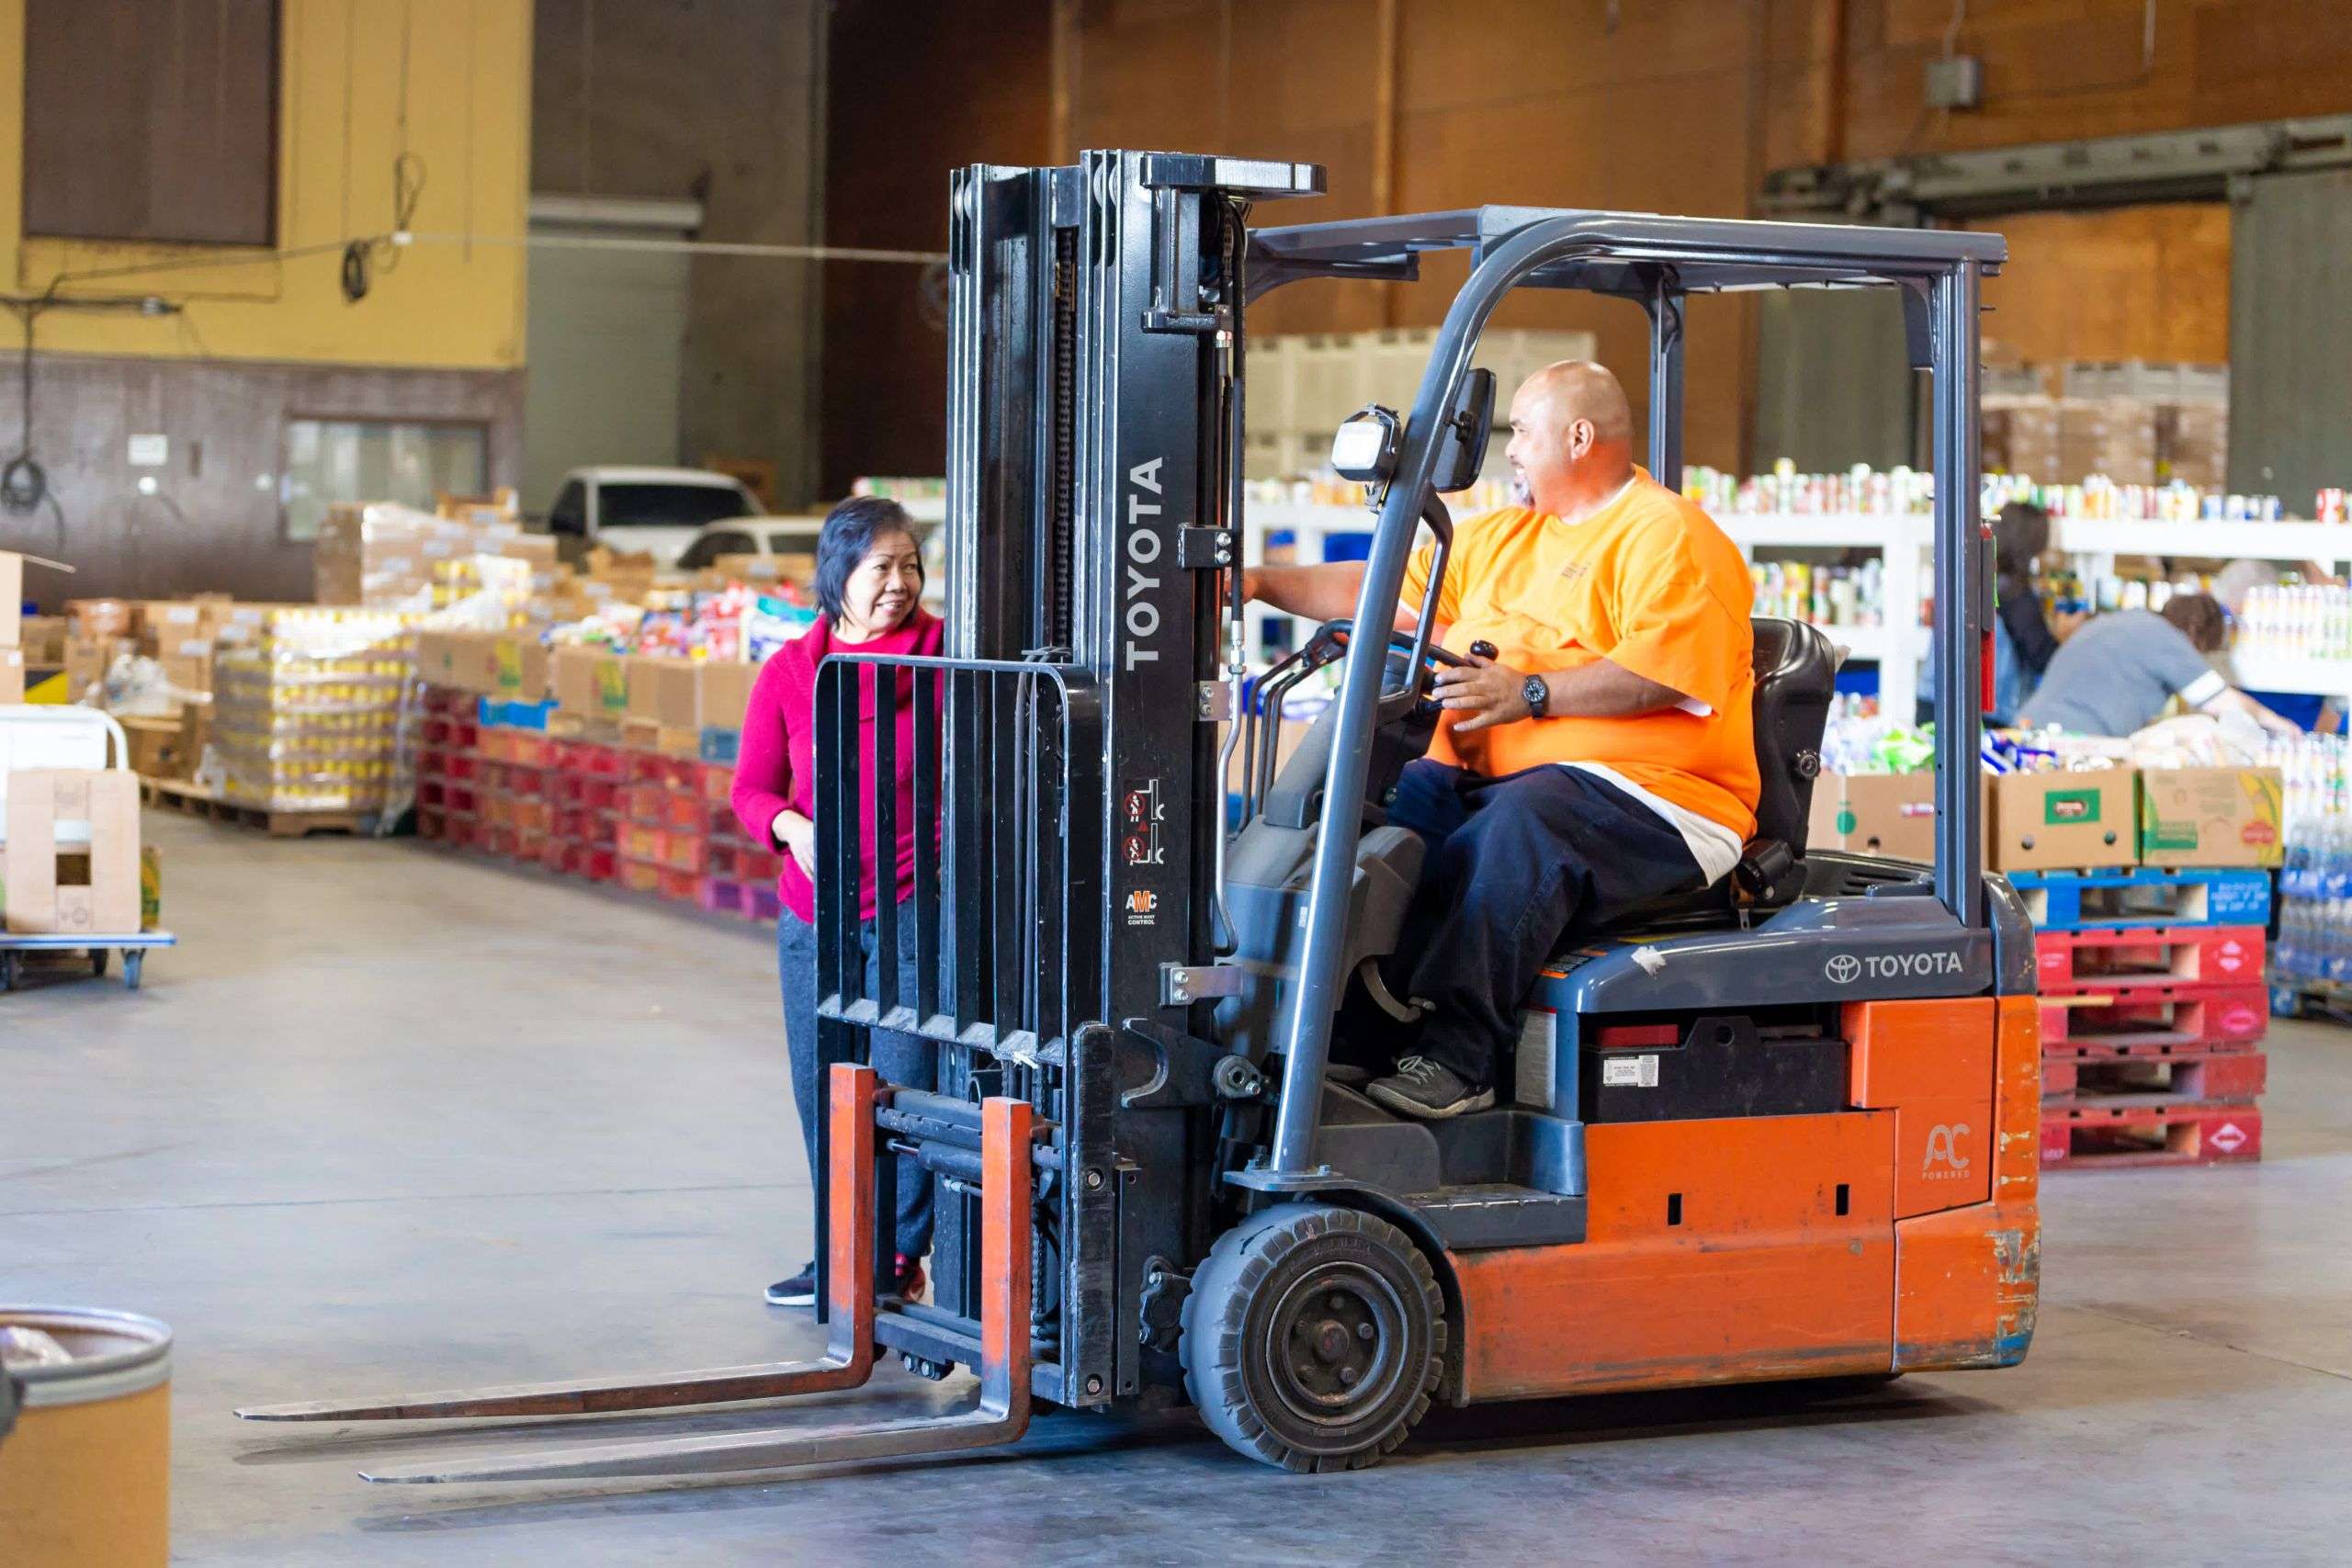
(1629, 1072)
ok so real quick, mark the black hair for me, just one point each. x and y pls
(2019, 533)
(849, 532)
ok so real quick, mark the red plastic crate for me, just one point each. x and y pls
(432, 762)
(2075, 961)
(717, 781)
(529, 844)
(534, 816)
(460, 764)
(722, 896)
(645, 803)
(2208, 1076)
(684, 851)
(498, 839)
(463, 800)
(590, 759)
(2095, 1137)
(2161, 1014)
(459, 832)
(496, 743)
(430, 823)
(430, 793)
(530, 748)
(681, 885)
(498, 810)
(637, 841)
(598, 862)
(753, 865)
(682, 809)
(442, 700)
(639, 877)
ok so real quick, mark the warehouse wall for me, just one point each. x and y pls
(914, 88)
(1655, 105)
(721, 100)
(439, 335)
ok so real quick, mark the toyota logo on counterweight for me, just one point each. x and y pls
(1842, 969)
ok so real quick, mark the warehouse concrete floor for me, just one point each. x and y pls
(394, 1119)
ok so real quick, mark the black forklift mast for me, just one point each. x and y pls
(1096, 362)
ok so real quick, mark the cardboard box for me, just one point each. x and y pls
(190, 670)
(2202, 816)
(591, 682)
(42, 637)
(663, 691)
(99, 618)
(12, 598)
(471, 662)
(72, 852)
(437, 657)
(2064, 821)
(1876, 814)
(519, 669)
(726, 693)
(87, 659)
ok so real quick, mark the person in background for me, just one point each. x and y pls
(869, 598)
(2024, 640)
(2115, 675)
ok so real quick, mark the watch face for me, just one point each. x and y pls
(1537, 693)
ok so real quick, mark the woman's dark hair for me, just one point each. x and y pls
(2200, 618)
(849, 532)
(2019, 533)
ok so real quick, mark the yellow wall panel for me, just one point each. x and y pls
(452, 300)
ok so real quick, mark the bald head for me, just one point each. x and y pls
(1571, 437)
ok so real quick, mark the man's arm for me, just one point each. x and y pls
(1326, 592)
(2231, 699)
(1491, 693)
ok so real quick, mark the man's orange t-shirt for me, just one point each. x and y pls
(1649, 583)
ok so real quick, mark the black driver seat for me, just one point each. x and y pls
(1797, 677)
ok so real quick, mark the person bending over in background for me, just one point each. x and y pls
(2115, 675)
(869, 600)
(1604, 758)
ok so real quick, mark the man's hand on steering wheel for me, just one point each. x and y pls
(1483, 692)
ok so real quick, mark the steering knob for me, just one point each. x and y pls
(1482, 648)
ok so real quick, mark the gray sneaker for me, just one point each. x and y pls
(1423, 1089)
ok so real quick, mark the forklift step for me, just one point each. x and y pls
(2158, 1014)
(2098, 956)
(2093, 1138)
(2154, 1079)
(2150, 896)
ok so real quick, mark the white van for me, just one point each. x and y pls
(657, 511)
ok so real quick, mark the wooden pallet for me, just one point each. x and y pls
(2151, 1079)
(2096, 1138)
(176, 795)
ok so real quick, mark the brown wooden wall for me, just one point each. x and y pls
(1680, 105)
(2125, 283)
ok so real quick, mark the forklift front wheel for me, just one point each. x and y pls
(1314, 1337)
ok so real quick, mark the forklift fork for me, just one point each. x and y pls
(1001, 1416)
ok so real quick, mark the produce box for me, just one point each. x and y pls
(589, 683)
(2211, 816)
(519, 668)
(1879, 814)
(2064, 821)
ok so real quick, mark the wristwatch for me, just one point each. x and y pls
(1537, 695)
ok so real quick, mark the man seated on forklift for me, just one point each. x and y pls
(1594, 754)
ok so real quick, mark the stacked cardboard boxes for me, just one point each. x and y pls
(380, 553)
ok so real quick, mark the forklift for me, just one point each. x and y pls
(1784, 1128)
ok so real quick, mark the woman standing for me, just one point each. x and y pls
(869, 594)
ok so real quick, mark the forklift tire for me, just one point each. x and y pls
(1314, 1337)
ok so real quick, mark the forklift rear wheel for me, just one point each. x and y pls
(1314, 1337)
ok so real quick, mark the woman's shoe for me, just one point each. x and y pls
(800, 1291)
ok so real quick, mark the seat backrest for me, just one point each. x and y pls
(1797, 677)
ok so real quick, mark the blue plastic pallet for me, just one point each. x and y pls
(2085, 900)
